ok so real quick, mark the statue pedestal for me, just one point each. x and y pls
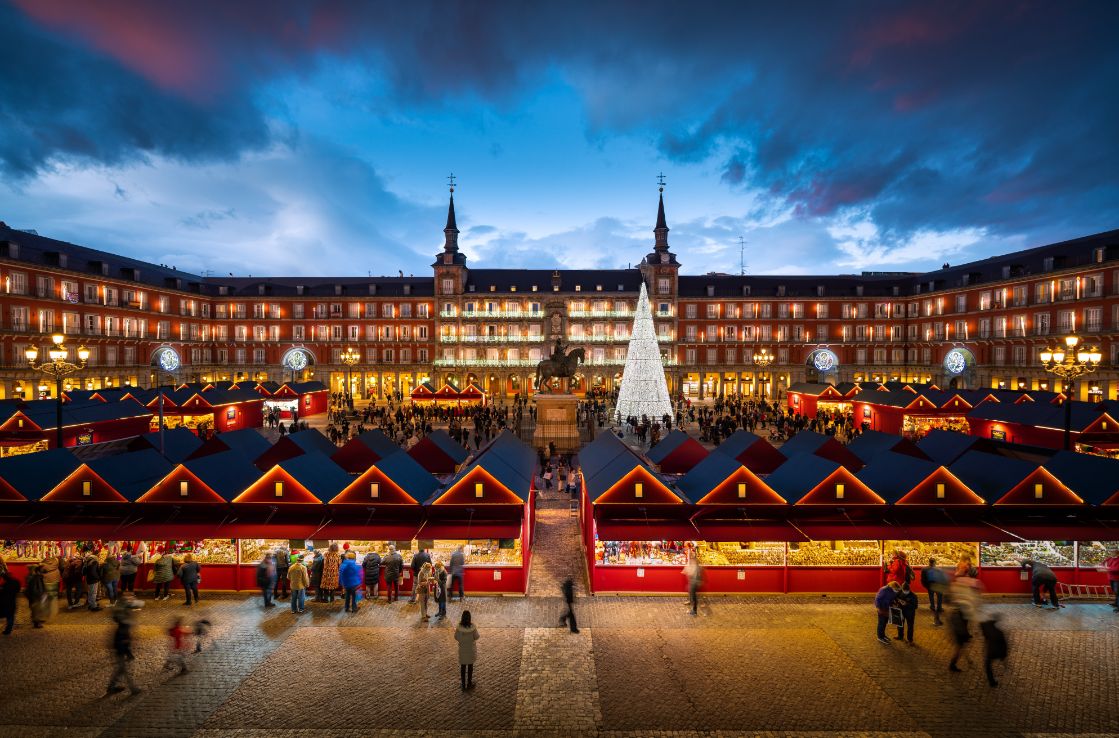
(557, 422)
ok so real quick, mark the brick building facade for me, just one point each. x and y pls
(491, 326)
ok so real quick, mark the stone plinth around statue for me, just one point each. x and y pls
(557, 422)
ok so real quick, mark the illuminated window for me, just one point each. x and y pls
(184, 488)
(279, 489)
(638, 490)
(940, 491)
(839, 491)
(478, 489)
(21, 422)
(374, 489)
(741, 490)
(1039, 490)
(87, 488)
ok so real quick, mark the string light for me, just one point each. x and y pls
(644, 390)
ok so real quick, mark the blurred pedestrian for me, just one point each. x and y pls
(9, 594)
(935, 582)
(283, 561)
(316, 575)
(371, 572)
(200, 629)
(50, 568)
(176, 655)
(74, 581)
(458, 571)
(1042, 578)
(466, 634)
(424, 582)
(441, 590)
(266, 578)
(965, 596)
(995, 647)
(568, 617)
(350, 577)
(420, 558)
(1111, 566)
(190, 574)
(394, 570)
(693, 572)
(299, 579)
(122, 644)
(91, 572)
(36, 593)
(882, 603)
(331, 562)
(163, 571)
(110, 577)
(129, 565)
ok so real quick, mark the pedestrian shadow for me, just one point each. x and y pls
(278, 624)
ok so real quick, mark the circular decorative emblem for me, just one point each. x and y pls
(956, 361)
(296, 360)
(168, 359)
(825, 360)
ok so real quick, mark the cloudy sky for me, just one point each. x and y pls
(296, 137)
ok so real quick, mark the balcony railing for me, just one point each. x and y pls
(491, 339)
(600, 313)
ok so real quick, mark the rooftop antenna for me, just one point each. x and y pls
(742, 256)
(660, 181)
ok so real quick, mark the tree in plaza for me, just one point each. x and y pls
(644, 390)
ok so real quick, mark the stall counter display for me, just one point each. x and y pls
(253, 549)
(28, 552)
(919, 552)
(762, 553)
(642, 553)
(1050, 553)
(206, 551)
(479, 551)
(835, 553)
(1092, 554)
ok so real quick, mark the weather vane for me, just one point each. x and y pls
(660, 181)
(451, 179)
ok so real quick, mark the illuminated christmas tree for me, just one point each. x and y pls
(644, 390)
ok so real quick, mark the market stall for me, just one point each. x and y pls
(365, 450)
(754, 452)
(825, 447)
(248, 442)
(676, 453)
(296, 444)
(28, 427)
(176, 444)
(310, 398)
(439, 453)
(489, 510)
(869, 444)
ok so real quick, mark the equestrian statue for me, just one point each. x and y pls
(561, 365)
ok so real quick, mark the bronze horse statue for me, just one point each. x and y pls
(563, 368)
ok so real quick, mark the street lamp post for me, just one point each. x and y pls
(763, 359)
(350, 356)
(1069, 362)
(58, 367)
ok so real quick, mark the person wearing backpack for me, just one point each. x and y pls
(935, 582)
(371, 568)
(91, 572)
(266, 578)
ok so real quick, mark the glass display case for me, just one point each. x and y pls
(253, 549)
(206, 551)
(1050, 553)
(479, 551)
(642, 553)
(1091, 554)
(754, 553)
(919, 552)
(835, 553)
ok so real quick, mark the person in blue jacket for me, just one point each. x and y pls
(350, 576)
(882, 602)
(935, 581)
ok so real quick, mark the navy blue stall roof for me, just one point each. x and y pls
(796, 478)
(944, 446)
(705, 476)
(510, 461)
(667, 445)
(892, 475)
(34, 475)
(870, 443)
(805, 442)
(737, 442)
(990, 476)
(246, 441)
(1095, 479)
(448, 445)
(229, 473)
(409, 475)
(379, 443)
(178, 443)
(315, 471)
(312, 440)
(134, 473)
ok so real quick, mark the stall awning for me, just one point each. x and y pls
(861, 531)
(716, 531)
(454, 530)
(383, 531)
(653, 530)
(1071, 531)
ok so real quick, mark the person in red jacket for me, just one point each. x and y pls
(1111, 565)
(898, 569)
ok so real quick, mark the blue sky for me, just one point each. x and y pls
(315, 137)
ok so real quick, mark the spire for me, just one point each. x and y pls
(660, 233)
(450, 233)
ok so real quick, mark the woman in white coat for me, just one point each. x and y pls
(466, 634)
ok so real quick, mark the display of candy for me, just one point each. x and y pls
(835, 553)
(752, 554)
(919, 552)
(1050, 553)
(1093, 553)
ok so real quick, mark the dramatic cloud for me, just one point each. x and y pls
(882, 132)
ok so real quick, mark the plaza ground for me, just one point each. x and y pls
(641, 666)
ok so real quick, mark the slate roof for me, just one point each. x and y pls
(246, 441)
(379, 443)
(1038, 414)
(178, 443)
(132, 474)
(795, 480)
(672, 441)
(315, 471)
(605, 460)
(1095, 479)
(705, 476)
(805, 442)
(312, 440)
(870, 443)
(448, 445)
(808, 388)
(509, 461)
(407, 473)
(229, 473)
(479, 281)
(737, 442)
(892, 475)
(303, 388)
(944, 446)
(34, 475)
(990, 476)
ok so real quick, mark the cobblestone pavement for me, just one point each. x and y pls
(768, 666)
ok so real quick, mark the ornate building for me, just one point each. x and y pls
(976, 324)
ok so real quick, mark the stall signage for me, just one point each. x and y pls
(998, 435)
(497, 575)
(85, 438)
(231, 413)
(640, 573)
(741, 575)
